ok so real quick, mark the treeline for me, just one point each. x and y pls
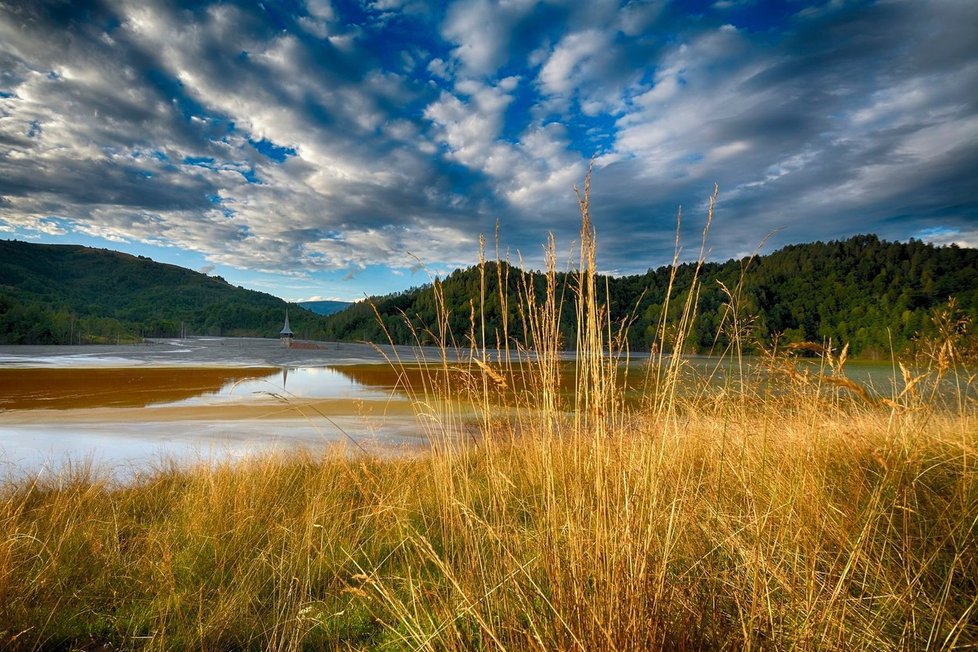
(59, 294)
(873, 294)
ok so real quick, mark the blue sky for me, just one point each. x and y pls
(328, 148)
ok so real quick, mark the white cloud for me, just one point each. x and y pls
(947, 236)
(482, 32)
(548, 171)
(471, 128)
(439, 68)
(318, 28)
(481, 39)
(571, 61)
(321, 9)
(592, 67)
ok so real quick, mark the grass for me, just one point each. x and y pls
(808, 531)
(781, 506)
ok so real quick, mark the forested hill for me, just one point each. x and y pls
(864, 291)
(53, 294)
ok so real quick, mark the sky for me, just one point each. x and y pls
(341, 148)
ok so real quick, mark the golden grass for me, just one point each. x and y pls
(775, 508)
(846, 531)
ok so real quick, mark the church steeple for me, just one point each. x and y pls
(286, 333)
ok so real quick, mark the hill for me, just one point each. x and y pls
(325, 307)
(864, 291)
(54, 294)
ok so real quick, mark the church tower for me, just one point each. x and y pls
(286, 333)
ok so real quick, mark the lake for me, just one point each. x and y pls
(127, 408)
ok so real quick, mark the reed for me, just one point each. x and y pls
(769, 506)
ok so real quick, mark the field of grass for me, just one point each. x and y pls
(781, 508)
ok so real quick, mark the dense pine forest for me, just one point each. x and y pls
(873, 294)
(878, 296)
(56, 294)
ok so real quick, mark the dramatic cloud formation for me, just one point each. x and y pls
(322, 148)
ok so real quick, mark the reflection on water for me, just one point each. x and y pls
(221, 411)
(196, 414)
(697, 374)
(125, 450)
(81, 388)
(384, 377)
(72, 388)
(310, 383)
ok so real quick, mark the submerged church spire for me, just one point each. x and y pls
(286, 333)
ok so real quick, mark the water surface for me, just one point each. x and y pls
(127, 413)
(129, 418)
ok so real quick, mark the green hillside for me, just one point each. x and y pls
(54, 294)
(864, 291)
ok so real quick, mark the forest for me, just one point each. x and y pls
(877, 296)
(60, 294)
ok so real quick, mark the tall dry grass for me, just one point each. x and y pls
(605, 504)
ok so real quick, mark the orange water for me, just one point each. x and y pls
(61, 389)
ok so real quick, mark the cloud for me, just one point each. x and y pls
(470, 125)
(146, 170)
(571, 59)
(482, 31)
(589, 68)
(439, 68)
(327, 139)
(319, 297)
(949, 236)
(836, 127)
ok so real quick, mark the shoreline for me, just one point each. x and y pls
(250, 410)
(97, 421)
(124, 441)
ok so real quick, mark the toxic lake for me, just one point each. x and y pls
(126, 408)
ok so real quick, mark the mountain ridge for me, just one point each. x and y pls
(325, 307)
(61, 293)
(873, 294)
